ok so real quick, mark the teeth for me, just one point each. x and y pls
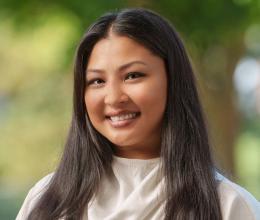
(123, 117)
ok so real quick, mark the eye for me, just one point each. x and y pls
(134, 75)
(95, 82)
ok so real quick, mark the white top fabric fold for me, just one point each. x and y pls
(134, 192)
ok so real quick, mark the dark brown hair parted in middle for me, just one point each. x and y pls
(187, 165)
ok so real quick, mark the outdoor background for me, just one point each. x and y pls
(37, 44)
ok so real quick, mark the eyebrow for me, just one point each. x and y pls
(121, 68)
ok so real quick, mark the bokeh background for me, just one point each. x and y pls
(37, 45)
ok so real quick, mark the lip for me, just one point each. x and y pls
(124, 123)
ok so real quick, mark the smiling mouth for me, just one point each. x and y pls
(123, 120)
(123, 117)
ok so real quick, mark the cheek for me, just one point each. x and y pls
(93, 104)
(150, 98)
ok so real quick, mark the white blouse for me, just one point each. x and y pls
(134, 192)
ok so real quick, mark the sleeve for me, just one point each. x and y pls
(32, 197)
(237, 203)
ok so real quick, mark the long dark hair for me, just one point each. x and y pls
(187, 165)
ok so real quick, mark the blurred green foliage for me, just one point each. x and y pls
(247, 155)
(37, 44)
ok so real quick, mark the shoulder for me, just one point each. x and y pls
(42, 184)
(39, 188)
(236, 203)
(33, 196)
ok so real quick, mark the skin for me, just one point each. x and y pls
(123, 75)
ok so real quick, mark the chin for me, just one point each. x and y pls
(123, 144)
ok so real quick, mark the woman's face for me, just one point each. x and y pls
(126, 95)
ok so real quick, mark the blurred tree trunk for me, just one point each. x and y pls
(216, 67)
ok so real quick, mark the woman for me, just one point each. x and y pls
(138, 146)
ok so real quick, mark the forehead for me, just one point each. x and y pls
(118, 49)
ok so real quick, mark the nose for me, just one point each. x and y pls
(115, 95)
